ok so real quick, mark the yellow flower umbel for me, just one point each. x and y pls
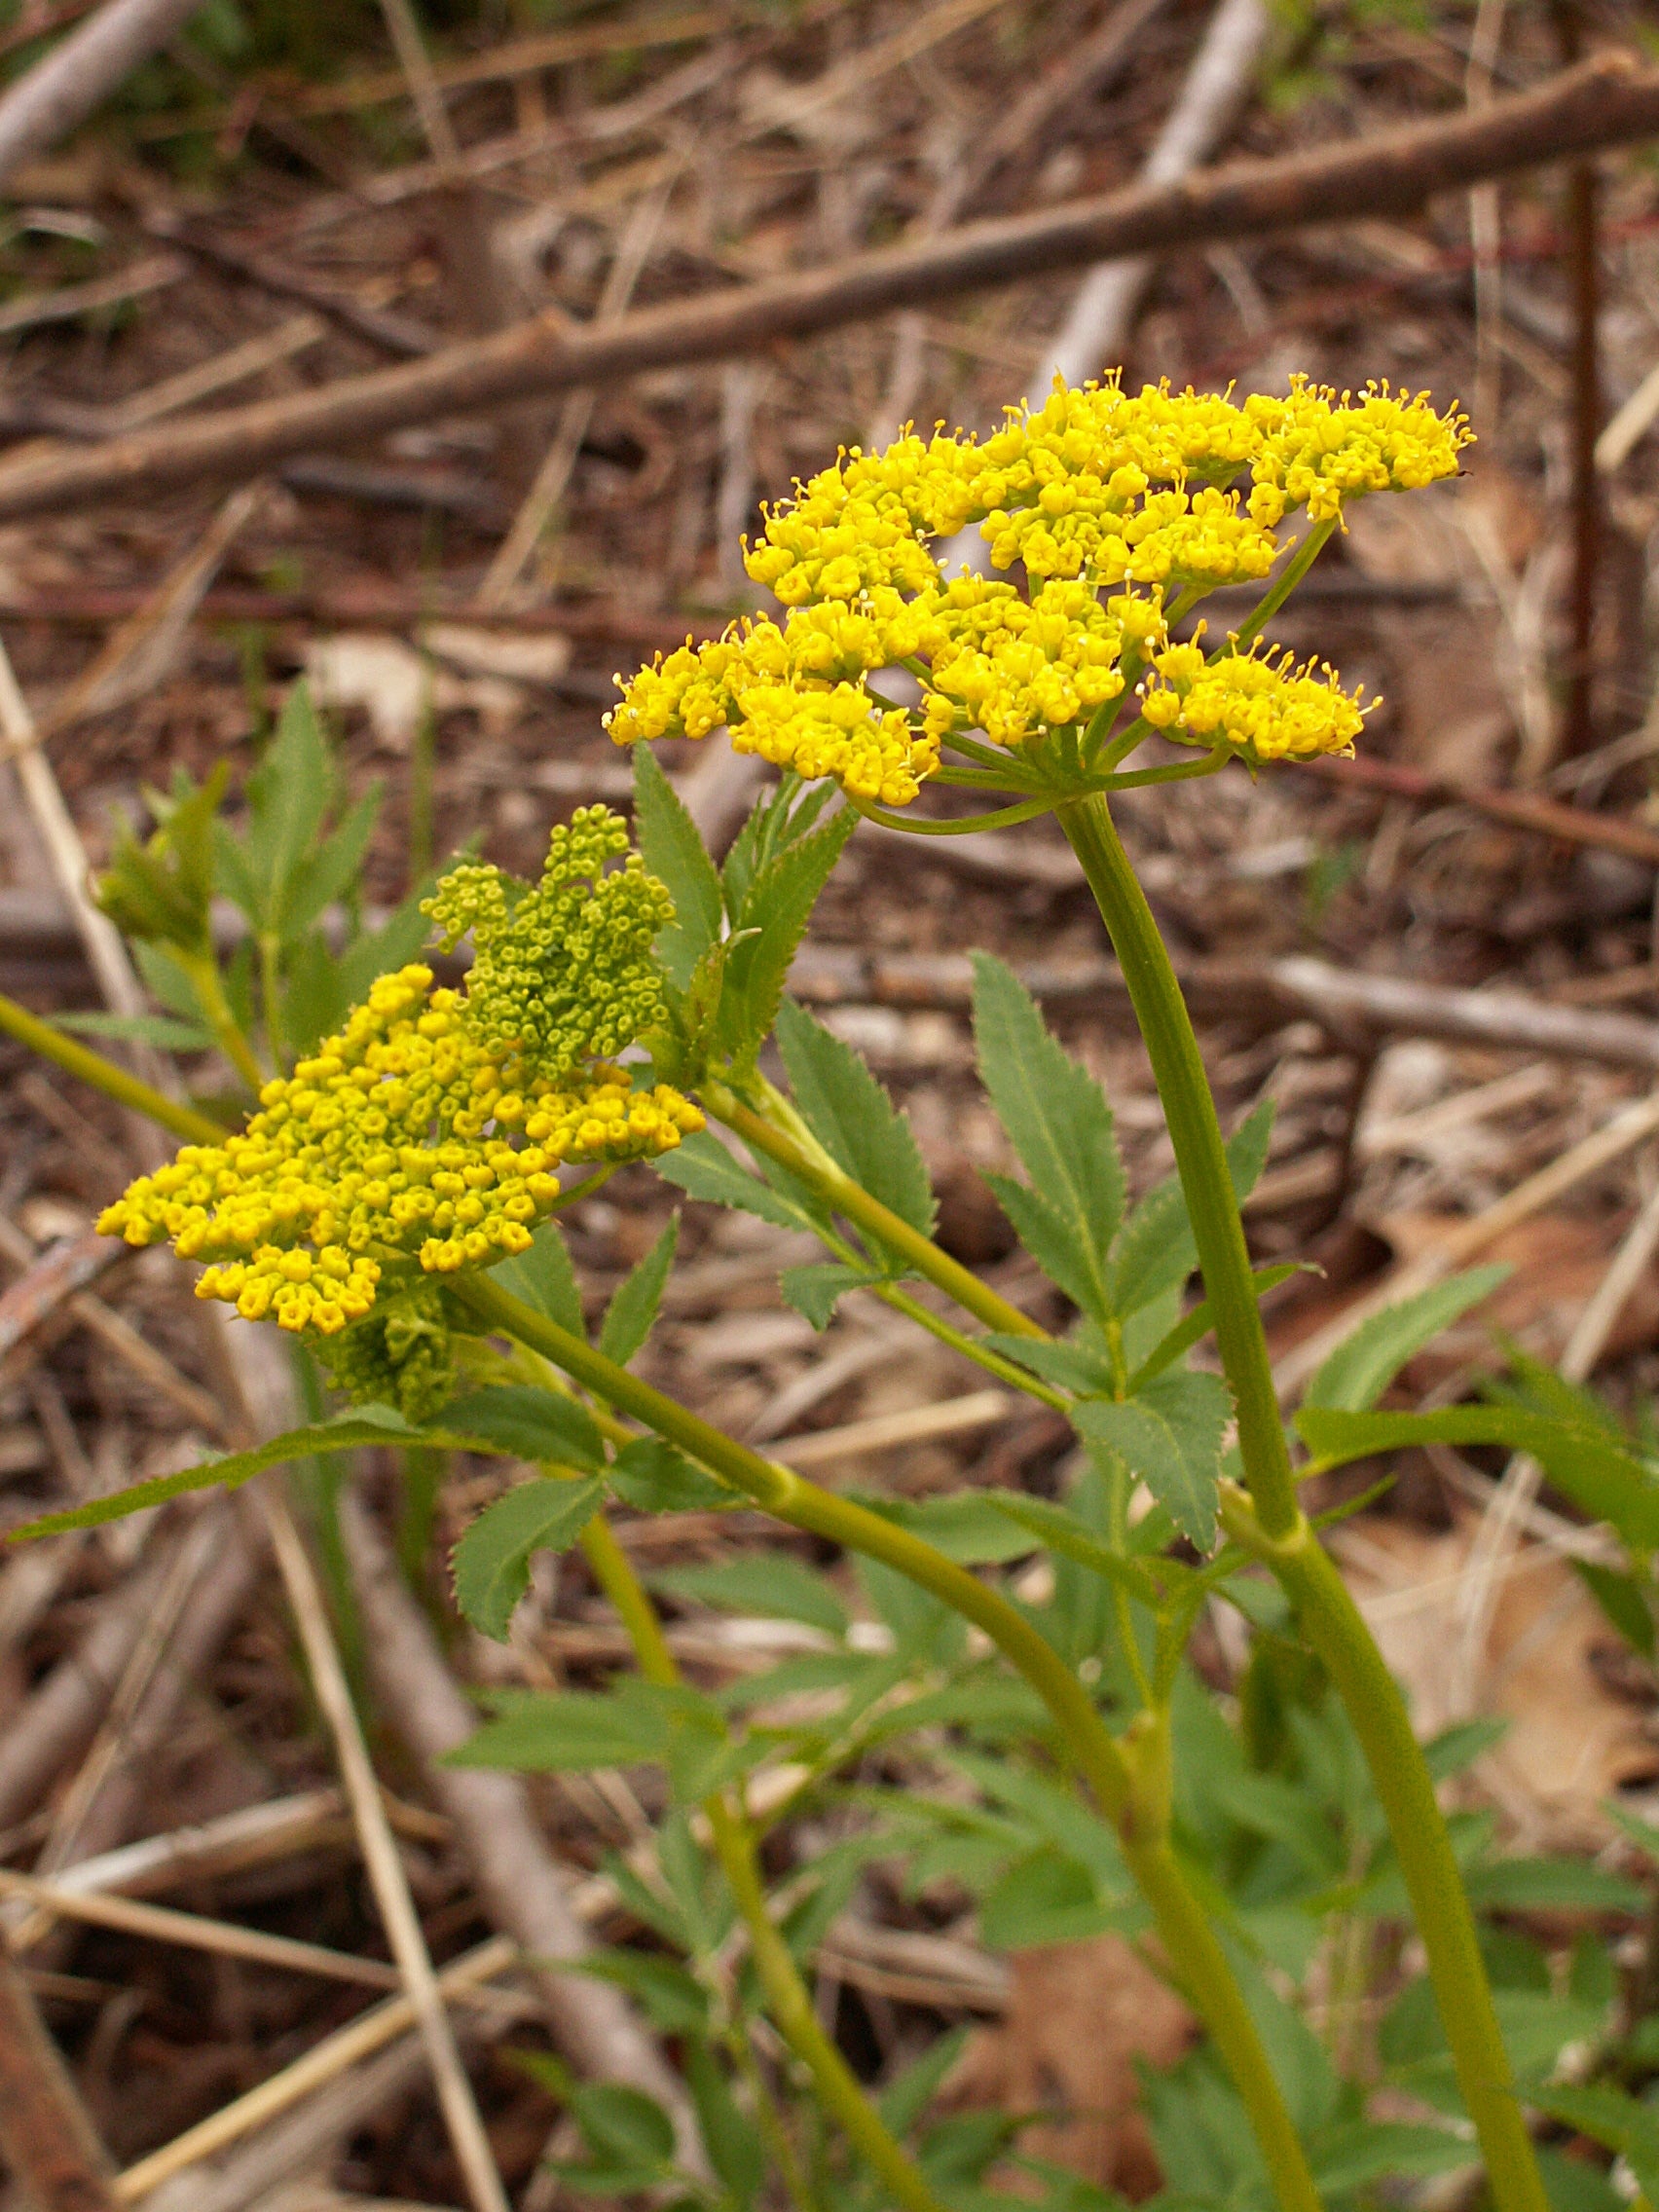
(428, 1134)
(1119, 507)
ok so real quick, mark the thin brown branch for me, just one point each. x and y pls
(1609, 101)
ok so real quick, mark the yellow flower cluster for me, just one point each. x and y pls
(1156, 497)
(1256, 702)
(403, 1137)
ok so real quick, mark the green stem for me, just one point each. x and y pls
(1336, 1629)
(786, 1994)
(271, 992)
(106, 1075)
(203, 972)
(812, 1165)
(1000, 818)
(1130, 1790)
(1200, 1154)
(1289, 576)
(1280, 1534)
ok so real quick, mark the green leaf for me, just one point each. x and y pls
(1363, 2152)
(1591, 1468)
(332, 870)
(571, 1732)
(1460, 1744)
(1552, 1885)
(703, 1168)
(1042, 1897)
(621, 2127)
(288, 795)
(1060, 1531)
(770, 1584)
(367, 1424)
(652, 1477)
(1051, 1242)
(673, 853)
(1198, 1324)
(518, 1419)
(1155, 1250)
(1080, 1363)
(633, 1309)
(492, 1560)
(1610, 2116)
(1056, 1119)
(376, 952)
(675, 2001)
(1362, 1368)
(545, 1278)
(779, 817)
(162, 891)
(164, 1031)
(1171, 1437)
(968, 1526)
(853, 1117)
(735, 2147)
(166, 980)
(817, 1289)
(1624, 1600)
(778, 907)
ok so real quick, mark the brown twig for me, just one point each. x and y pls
(1607, 101)
(393, 332)
(1521, 810)
(1581, 223)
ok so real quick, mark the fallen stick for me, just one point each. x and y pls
(63, 89)
(1521, 810)
(1607, 101)
(347, 606)
(1261, 993)
(523, 1890)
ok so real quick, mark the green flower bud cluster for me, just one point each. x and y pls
(562, 972)
(401, 1355)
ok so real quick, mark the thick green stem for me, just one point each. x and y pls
(1200, 1154)
(105, 1074)
(814, 1167)
(1279, 1532)
(786, 1994)
(1131, 1791)
(1336, 1629)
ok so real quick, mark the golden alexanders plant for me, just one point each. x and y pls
(390, 1201)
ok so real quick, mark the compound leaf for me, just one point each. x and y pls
(674, 852)
(1055, 1116)
(853, 1117)
(1170, 1435)
(490, 1563)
